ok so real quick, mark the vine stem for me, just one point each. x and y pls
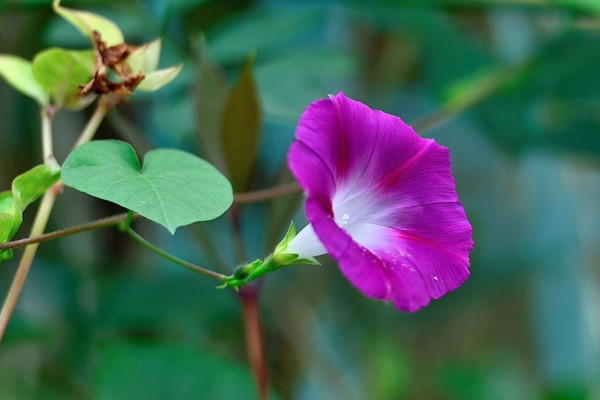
(97, 224)
(94, 122)
(47, 148)
(162, 253)
(266, 194)
(46, 206)
(41, 219)
(255, 342)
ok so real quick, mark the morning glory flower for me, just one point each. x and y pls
(381, 201)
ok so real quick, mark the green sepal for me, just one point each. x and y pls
(291, 233)
(309, 261)
(258, 268)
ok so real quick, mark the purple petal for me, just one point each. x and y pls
(382, 201)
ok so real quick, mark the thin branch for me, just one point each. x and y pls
(101, 223)
(266, 194)
(486, 87)
(94, 122)
(162, 253)
(255, 342)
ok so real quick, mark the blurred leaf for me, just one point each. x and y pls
(26, 188)
(174, 188)
(309, 73)
(164, 371)
(529, 115)
(157, 79)
(211, 94)
(583, 5)
(472, 89)
(87, 22)
(145, 58)
(496, 378)
(241, 128)
(18, 73)
(389, 369)
(259, 31)
(61, 72)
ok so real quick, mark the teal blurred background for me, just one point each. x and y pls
(514, 90)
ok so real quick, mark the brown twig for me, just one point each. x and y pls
(101, 223)
(266, 194)
(255, 342)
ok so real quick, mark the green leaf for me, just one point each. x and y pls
(592, 6)
(167, 371)
(60, 71)
(26, 188)
(87, 22)
(7, 218)
(157, 79)
(211, 94)
(174, 188)
(19, 75)
(145, 58)
(241, 128)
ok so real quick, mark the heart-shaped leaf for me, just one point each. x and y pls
(174, 188)
(18, 74)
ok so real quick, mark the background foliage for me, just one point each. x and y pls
(100, 317)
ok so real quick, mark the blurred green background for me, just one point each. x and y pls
(102, 318)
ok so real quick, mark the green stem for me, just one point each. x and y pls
(47, 148)
(92, 126)
(41, 219)
(162, 253)
(486, 88)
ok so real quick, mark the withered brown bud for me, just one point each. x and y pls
(112, 58)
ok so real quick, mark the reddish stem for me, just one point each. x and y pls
(255, 343)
